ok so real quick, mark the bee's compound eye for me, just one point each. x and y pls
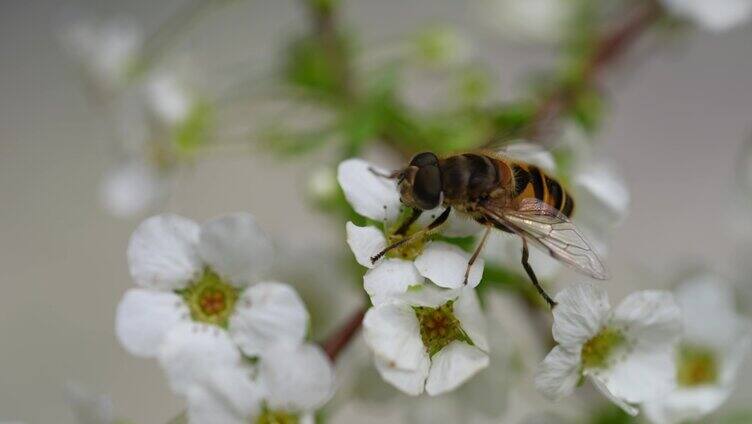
(424, 159)
(427, 187)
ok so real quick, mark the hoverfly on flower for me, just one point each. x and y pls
(499, 193)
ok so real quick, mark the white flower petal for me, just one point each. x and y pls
(169, 101)
(580, 313)
(716, 15)
(162, 252)
(298, 378)
(191, 353)
(445, 264)
(411, 382)
(266, 314)
(531, 153)
(370, 195)
(736, 352)
(686, 405)
(453, 365)
(131, 188)
(473, 322)
(506, 250)
(600, 189)
(392, 331)
(389, 279)
(649, 317)
(235, 386)
(559, 373)
(89, 408)
(428, 295)
(621, 403)
(145, 316)
(204, 407)
(708, 311)
(642, 375)
(236, 248)
(106, 49)
(365, 242)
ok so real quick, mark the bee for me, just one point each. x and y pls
(499, 193)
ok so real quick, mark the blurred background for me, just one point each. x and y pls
(679, 115)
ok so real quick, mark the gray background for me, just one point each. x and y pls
(677, 123)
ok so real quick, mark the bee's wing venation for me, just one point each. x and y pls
(550, 230)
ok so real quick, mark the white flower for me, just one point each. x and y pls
(290, 381)
(89, 408)
(186, 272)
(133, 186)
(713, 15)
(627, 352)
(716, 340)
(534, 20)
(483, 398)
(107, 50)
(377, 198)
(428, 339)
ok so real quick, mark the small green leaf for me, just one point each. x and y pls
(194, 130)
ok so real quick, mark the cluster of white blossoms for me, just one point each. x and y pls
(426, 328)
(709, 354)
(674, 355)
(152, 110)
(231, 343)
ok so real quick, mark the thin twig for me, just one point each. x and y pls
(335, 344)
(611, 46)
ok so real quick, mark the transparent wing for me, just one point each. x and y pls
(548, 229)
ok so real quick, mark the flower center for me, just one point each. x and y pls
(697, 366)
(277, 417)
(408, 251)
(597, 351)
(210, 299)
(439, 327)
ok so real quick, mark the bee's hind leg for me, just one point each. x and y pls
(476, 253)
(531, 274)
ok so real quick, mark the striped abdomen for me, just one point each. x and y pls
(531, 182)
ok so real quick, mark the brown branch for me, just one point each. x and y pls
(336, 343)
(611, 46)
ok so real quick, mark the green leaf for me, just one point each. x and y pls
(194, 130)
(587, 109)
(611, 414)
(738, 417)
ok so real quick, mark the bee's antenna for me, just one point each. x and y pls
(391, 176)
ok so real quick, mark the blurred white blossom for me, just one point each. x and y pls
(428, 339)
(287, 383)
(190, 273)
(528, 20)
(713, 15)
(626, 352)
(107, 50)
(378, 199)
(89, 408)
(716, 340)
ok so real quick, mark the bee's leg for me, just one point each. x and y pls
(406, 225)
(389, 176)
(532, 276)
(432, 226)
(476, 253)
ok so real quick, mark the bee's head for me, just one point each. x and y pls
(420, 182)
